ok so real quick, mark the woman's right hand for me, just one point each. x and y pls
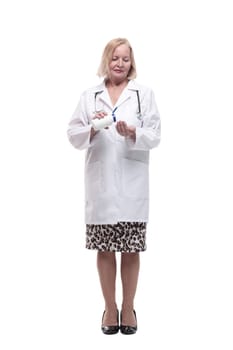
(98, 115)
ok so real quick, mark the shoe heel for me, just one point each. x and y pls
(126, 329)
(110, 329)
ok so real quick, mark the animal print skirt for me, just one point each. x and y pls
(126, 237)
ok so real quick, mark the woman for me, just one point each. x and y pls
(116, 175)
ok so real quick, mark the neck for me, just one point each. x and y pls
(116, 84)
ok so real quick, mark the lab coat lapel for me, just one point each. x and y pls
(125, 95)
(104, 97)
(127, 92)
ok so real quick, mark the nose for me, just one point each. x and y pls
(120, 62)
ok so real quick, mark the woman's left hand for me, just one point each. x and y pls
(124, 130)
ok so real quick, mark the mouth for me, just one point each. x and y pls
(118, 70)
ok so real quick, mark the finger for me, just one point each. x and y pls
(124, 128)
(122, 125)
(103, 114)
(100, 115)
(119, 128)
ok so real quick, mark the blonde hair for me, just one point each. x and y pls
(107, 57)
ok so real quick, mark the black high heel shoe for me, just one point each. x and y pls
(110, 329)
(125, 329)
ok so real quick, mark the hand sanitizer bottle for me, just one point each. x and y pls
(102, 123)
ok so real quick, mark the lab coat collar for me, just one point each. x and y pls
(132, 85)
(99, 88)
(127, 93)
(104, 96)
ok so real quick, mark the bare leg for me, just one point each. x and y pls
(106, 264)
(130, 264)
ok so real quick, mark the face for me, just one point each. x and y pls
(120, 64)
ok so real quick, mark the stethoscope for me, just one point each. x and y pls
(139, 115)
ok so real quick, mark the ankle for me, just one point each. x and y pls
(127, 307)
(110, 307)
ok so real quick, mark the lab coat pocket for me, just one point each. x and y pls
(135, 179)
(93, 180)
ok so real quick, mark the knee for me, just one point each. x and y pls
(130, 257)
(106, 255)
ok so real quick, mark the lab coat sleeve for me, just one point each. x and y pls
(149, 134)
(79, 127)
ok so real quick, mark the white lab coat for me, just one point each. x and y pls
(116, 168)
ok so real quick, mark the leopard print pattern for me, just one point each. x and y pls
(126, 237)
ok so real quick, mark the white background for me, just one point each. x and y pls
(50, 294)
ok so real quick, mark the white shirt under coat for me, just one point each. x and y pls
(116, 168)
